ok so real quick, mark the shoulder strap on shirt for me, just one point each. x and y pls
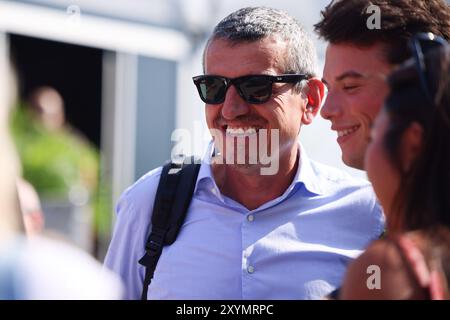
(173, 196)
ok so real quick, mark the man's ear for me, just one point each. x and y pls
(315, 94)
(411, 145)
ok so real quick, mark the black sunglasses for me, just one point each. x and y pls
(254, 89)
(420, 44)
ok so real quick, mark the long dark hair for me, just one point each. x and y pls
(423, 198)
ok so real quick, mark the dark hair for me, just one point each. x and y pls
(423, 198)
(345, 21)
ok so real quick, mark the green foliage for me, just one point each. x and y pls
(103, 209)
(55, 161)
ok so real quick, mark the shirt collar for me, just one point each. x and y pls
(205, 173)
(305, 174)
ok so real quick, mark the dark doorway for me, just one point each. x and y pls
(74, 71)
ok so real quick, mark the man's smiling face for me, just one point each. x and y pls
(283, 112)
(354, 77)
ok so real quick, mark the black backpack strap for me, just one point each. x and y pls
(173, 196)
(334, 295)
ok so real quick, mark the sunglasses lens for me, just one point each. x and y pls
(256, 90)
(212, 89)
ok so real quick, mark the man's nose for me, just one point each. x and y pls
(331, 107)
(234, 106)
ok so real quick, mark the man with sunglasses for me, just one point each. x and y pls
(255, 229)
(360, 55)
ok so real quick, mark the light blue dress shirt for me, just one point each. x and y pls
(296, 246)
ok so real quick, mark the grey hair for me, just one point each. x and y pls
(255, 23)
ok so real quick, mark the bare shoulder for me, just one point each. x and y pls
(379, 273)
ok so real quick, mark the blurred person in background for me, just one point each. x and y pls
(11, 221)
(63, 166)
(57, 159)
(30, 205)
(38, 267)
(48, 107)
(408, 163)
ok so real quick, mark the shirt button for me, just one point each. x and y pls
(250, 218)
(250, 269)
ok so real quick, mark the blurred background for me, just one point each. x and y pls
(101, 86)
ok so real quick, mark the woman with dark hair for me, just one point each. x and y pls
(408, 163)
